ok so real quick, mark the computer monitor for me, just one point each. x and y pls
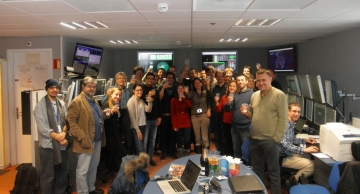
(100, 87)
(220, 60)
(87, 60)
(301, 101)
(305, 86)
(293, 84)
(330, 115)
(317, 88)
(70, 94)
(156, 60)
(331, 93)
(309, 109)
(282, 59)
(319, 114)
(292, 98)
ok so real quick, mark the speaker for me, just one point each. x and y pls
(355, 150)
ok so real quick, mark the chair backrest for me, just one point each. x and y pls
(334, 177)
(355, 150)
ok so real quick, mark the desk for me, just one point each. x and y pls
(152, 186)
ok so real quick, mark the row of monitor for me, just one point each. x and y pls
(311, 87)
(313, 111)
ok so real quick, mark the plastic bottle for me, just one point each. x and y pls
(224, 165)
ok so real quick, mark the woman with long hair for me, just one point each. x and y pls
(227, 116)
(200, 113)
(137, 109)
(180, 120)
(247, 71)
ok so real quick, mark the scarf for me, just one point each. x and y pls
(53, 125)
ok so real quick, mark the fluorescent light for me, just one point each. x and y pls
(120, 42)
(67, 25)
(275, 22)
(102, 24)
(127, 41)
(244, 40)
(221, 40)
(91, 25)
(229, 40)
(134, 41)
(113, 42)
(238, 22)
(261, 23)
(250, 22)
(76, 24)
(237, 39)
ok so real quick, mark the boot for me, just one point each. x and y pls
(186, 152)
(198, 149)
(180, 153)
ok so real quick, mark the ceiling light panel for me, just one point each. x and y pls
(223, 5)
(257, 22)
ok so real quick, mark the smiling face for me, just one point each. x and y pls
(116, 96)
(89, 89)
(242, 82)
(138, 91)
(197, 84)
(149, 80)
(180, 89)
(232, 87)
(294, 113)
(120, 80)
(263, 82)
(53, 91)
(246, 71)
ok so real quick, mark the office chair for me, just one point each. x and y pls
(285, 173)
(311, 188)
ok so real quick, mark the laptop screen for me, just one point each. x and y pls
(300, 124)
(190, 174)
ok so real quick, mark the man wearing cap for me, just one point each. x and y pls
(85, 119)
(49, 115)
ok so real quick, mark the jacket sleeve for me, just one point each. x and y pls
(41, 120)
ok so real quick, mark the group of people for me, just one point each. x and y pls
(160, 110)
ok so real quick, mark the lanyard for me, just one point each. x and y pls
(199, 99)
(56, 112)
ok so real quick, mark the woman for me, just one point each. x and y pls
(200, 113)
(115, 135)
(137, 109)
(247, 71)
(180, 120)
(227, 116)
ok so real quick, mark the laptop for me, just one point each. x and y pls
(299, 125)
(183, 185)
(245, 184)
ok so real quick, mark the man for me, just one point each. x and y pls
(191, 74)
(202, 74)
(216, 118)
(85, 119)
(274, 83)
(251, 83)
(210, 72)
(153, 118)
(229, 72)
(268, 113)
(294, 159)
(240, 124)
(172, 69)
(139, 73)
(49, 115)
(167, 134)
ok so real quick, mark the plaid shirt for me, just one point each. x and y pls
(287, 144)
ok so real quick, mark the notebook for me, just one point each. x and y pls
(245, 184)
(183, 185)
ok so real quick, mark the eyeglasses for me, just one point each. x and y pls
(138, 90)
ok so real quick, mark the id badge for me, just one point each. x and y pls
(59, 129)
(199, 110)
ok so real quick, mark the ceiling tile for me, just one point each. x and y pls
(101, 6)
(43, 7)
(279, 4)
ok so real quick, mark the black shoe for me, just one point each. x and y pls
(163, 156)
(173, 155)
(97, 191)
(152, 163)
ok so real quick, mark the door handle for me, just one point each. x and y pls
(17, 113)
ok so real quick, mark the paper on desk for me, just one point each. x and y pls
(315, 136)
(320, 155)
(302, 136)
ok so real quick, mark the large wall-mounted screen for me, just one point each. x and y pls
(282, 59)
(155, 60)
(220, 60)
(87, 60)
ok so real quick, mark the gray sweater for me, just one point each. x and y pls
(134, 111)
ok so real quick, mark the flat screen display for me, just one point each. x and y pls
(155, 60)
(220, 60)
(309, 109)
(293, 84)
(319, 114)
(330, 115)
(282, 60)
(87, 60)
(317, 88)
(331, 93)
(305, 86)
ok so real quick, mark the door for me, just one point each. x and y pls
(30, 69)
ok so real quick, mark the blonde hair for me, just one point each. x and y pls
(109, 93)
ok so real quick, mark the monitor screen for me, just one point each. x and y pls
(330, 115)
(87, 60)
(293, 84)
(291, 98)
(317, 88)
(282, 60)
(155, 60)
(319, 114)
(220, 60)
(331, 93)
(305, 86)
(301, 102)
(309, 109)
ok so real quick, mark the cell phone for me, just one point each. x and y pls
(187, 62)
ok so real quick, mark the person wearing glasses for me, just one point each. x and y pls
(137, 109)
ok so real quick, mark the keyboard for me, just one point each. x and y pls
(177, 186)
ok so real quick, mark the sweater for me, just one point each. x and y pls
(228, 115)
(179, 113)
(134, 113)
(269, 115)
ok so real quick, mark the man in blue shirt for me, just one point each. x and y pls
(287, 145)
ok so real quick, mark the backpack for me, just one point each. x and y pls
(27, 180)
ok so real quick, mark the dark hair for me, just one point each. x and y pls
(136, 85)
(150, 74)
(209, 68)
(161, 69)
(176, 93)
(192, 69)
(170, 73)
(172, 66)
(228, 86)
(138, 68)
(243, 76)
(197, 79)
(247, 67)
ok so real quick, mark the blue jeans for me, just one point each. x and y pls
(150, 136)
(139, 144)
(239, 135)
(87, 168)
(186, 134)
(262, 151)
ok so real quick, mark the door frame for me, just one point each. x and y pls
(9, 103)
